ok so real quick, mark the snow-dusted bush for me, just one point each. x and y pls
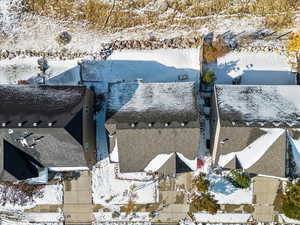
(208, 76)
(64, 38)
(291, 201)
(239, 179)
(201, 183)
(204, 202)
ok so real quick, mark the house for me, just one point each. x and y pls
(153, 126)
(253, 128)
(45, 126)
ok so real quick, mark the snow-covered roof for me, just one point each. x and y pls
(152, 102)
(267, 106)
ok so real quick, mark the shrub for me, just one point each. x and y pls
(278, 202)
(64, 38)
(208, 76)
(293, 193)
(248, 208)
(289, 203)
(239, 179)
(129, 207)
(280, 21)
(294, 42)
(291, 210)
(201, 183)
(179, 198)
(115, 214)
(205, 202)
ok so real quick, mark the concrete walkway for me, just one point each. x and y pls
(78, 207)
(265, 190)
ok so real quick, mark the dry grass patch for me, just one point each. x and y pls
(231, 208)
(131, 13)
(215, 50)
(248, 208)
(282, 21)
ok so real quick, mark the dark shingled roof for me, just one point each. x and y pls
(42, 104)
(35, 143)
(267, 106)
(145, 144)
(151, 102)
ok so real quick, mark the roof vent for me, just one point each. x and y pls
(51, 124)
(150, 124)
(35, 124)
(183, 124)
(133, 124)
(3, 124)
(167, 124)
(20, 124)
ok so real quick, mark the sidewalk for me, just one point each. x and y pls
(78, 207)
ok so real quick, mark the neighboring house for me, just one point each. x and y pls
(45, 126)
(254, 128)
(154, 126)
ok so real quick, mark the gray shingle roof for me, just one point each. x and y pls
(35, 142)
(151, 102)
(43, 104)
(268, 106)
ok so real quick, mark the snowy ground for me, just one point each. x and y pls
(162, 65)
(23, 68)
(255, 68)
(38, 32)
(226, 193)
(51, 194)
(122, 223)
(284, 219)
(222, 218)
(109, 190)
(107, 216)
(35, 219)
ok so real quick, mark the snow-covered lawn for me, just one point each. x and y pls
(41, 217)
(122, 223)
(162, 65)
(13, 200)
(107, 216)
(268, 68)
(35, 219)
(109, 190)
(53, 195)
(226, 193)
(284, 219)
(222, 218)
(23, 68)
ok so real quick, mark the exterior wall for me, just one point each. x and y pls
(137, 147)
(169, 168)
(215, 126)
(234, 139)
(89, 128)
(273, 161)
